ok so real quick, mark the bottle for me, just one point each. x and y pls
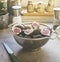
(30, 7)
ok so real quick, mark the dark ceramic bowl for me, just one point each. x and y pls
(32, 43)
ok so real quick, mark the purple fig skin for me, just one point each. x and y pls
(22, 34)
(35, 32)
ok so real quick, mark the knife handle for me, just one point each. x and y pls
(13, 58)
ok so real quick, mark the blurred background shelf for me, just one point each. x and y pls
(25, 13)
(37, 14)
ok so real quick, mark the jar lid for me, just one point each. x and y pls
(57, 9)
(16, 7)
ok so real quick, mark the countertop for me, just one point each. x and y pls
(50, 52)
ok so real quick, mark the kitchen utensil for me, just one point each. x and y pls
(11, 54)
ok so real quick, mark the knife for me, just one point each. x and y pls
(10, 52)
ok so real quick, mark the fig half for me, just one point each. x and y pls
(16, 30)
(35, 25)
(28, 31)
(45, 32)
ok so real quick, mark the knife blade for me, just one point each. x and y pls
(7, 48)
(11, 54)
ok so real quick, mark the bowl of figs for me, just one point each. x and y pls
(31, 35)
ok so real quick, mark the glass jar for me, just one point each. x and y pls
(56, 22)
(56, 8)
(16, 15)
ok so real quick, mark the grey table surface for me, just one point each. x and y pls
(50, 52)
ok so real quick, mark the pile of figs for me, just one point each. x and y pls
(32, 30)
